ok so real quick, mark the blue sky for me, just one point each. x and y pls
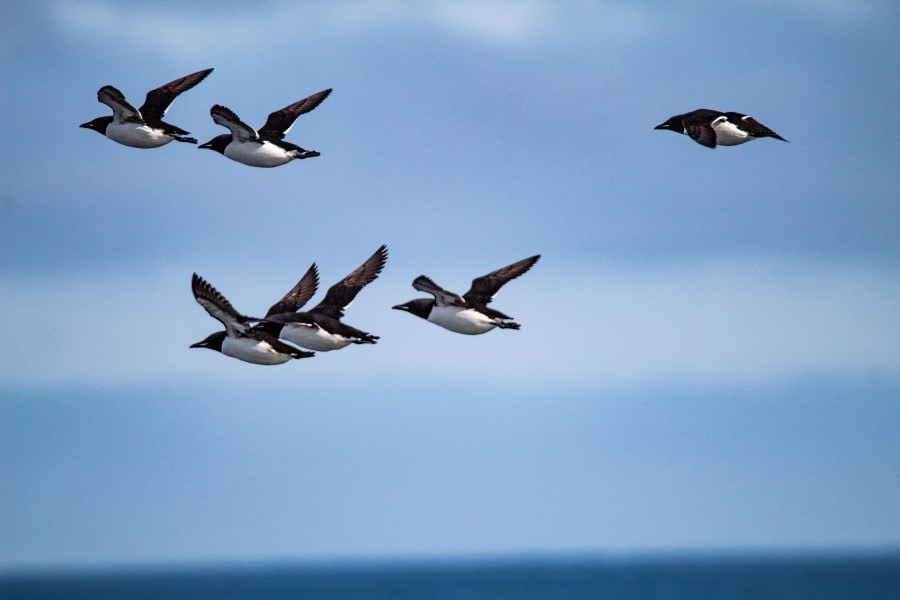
(710, 343)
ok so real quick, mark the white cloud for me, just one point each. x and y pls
(721, 321)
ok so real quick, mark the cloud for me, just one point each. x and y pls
(715, 321)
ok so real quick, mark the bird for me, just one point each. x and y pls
(469, 313)
(239, 340)
(144, 127)
(321, 328)
(266, 147)
(711, 127)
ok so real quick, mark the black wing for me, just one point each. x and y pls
(752, 126)
(240, 131)
(280, 121)
(219, 307)
(698, 125)
(158, 100)
(299, 294)
(341, 294)
(484, 288)
(122, 110)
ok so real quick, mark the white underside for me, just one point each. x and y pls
(253, 351)
(461, 320)
(136, 135)
(254, 154)
(313, 337)
(727, 134)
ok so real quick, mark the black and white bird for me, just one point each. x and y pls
(321, 328)
(144, 127)
(266, 147)
(239, 340)
(711, 127)
(468, 313)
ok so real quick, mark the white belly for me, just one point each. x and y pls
(727, 134)
(461, 320)
(313, 337)
(257, 155)
(253, 351)
(136, 135)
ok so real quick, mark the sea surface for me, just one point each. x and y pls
(670, 578)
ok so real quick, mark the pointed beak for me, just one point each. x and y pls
(206, 146)
(661, 126)
(400, 307)
(86, 125)
(198, 345)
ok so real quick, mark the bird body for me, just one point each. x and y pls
(713, 128)
(321, 328)
(239, 340)
(265, 148)
(144, 127)
(468, 314)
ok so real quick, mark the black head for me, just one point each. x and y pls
(99, 124)
(673, 124)
(213, 342)
(421, 307)
(218, 143)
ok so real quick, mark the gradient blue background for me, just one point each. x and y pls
(710, 351)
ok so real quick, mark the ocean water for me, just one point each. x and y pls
(770, 578)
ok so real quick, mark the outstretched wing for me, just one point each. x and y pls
(158, 100)
(122, 111)
(226, 118)
(701, 129)
(280, 121)
(219, 307)
(299, 294)
(341, 294)
(484, 288)
(441, 296)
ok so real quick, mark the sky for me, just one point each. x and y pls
(709, 357)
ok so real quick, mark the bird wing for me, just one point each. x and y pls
(280, 121)
(341, 294)
(158, 100)
(484, 288)
(122, 110)
(299, 294)
(752, 126)
(218, 307)
(441, 296)
(226, 118)
(701, 129)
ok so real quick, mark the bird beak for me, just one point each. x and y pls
(400, 307)
(198, 345)
(85, 125)
(205, 146)
(662, 126)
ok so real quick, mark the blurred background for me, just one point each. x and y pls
(709, 357)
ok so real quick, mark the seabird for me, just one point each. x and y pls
(266, 147)
(321, 328)
(468, 313)
(239, 340)
(144, 127)
(711, 127)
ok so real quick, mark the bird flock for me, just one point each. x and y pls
(263, 341)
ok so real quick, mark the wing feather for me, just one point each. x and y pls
(219, 308)
(226, 118)
(341, 294)
(281, 121)
(158, 101)
(484, 288)
(299, 295)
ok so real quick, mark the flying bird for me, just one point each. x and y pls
(468, 313)
(711, 127)
(266, 147)
(239, 340)
(321, 328)
(144, 127)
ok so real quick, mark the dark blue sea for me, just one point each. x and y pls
(732, 578)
